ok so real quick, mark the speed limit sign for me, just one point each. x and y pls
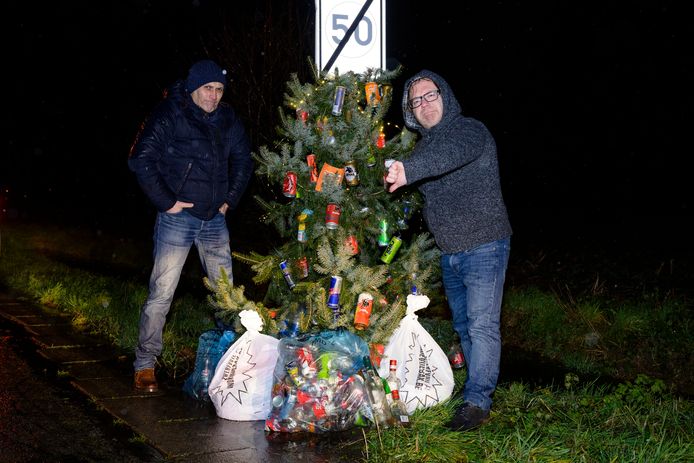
(365, 47)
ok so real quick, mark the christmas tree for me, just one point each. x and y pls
(346, 243)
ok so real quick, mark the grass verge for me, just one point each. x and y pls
(101, 282)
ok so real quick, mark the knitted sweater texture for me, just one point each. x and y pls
(454, 165)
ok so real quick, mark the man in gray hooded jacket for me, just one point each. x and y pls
(455, 167)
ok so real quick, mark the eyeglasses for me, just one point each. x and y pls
(428, 96)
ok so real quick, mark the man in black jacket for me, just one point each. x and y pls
(192, 160)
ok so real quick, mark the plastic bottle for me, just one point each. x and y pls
(204, 383)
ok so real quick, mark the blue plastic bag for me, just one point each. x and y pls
(212, 345)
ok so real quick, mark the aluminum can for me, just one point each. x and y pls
(455, 357)
(406, 214)
(303, 267)
(376, 353)
(301, 236)
(289, 185)
(288, 406)
(387, 163)
(381, 141)
(373, 96)
(332, 216)
(383, 233)
(390, 251)
(413, 284)
(313, 169)
(351, 174)
(338, 100)
(287, 275)
(365, 304)
(351, 241)
(334, 292)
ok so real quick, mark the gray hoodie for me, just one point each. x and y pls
(455, 167)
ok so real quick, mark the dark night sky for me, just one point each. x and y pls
(588, 101)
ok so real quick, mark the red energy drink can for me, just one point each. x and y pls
(334, 292)
(332, 216)
(289, 185)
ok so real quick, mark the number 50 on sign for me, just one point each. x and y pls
(366, 47)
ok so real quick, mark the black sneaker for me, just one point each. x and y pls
(468, 417)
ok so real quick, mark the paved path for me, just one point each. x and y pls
(179, 427)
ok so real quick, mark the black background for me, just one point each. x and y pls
(589, 102)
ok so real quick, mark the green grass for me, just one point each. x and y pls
(101, 284)
(637, 421)
(100, 304)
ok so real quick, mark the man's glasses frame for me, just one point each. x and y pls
(416, 102)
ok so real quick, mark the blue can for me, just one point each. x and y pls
(334, 293)
(287, 276)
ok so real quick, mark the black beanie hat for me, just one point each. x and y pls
(204, 72)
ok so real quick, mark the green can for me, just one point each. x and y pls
(390, 251)
(382, 233)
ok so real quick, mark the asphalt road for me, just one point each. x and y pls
(42, 419)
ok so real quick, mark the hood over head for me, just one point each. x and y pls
(451, 107)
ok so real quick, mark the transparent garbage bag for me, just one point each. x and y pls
(317, 384)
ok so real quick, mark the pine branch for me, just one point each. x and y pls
(317, 307)
(229, 300)
(368, 279)
(386, 322)
(263, 266)
(268, 163)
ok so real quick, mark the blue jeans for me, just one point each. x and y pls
(474, 283)
(174, 234)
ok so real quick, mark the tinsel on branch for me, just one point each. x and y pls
(327, 201)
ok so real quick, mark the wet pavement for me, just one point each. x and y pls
(43, 418)
(171, 425)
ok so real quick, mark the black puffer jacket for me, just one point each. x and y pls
(183, 153)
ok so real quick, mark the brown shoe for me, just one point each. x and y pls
(145, 381)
